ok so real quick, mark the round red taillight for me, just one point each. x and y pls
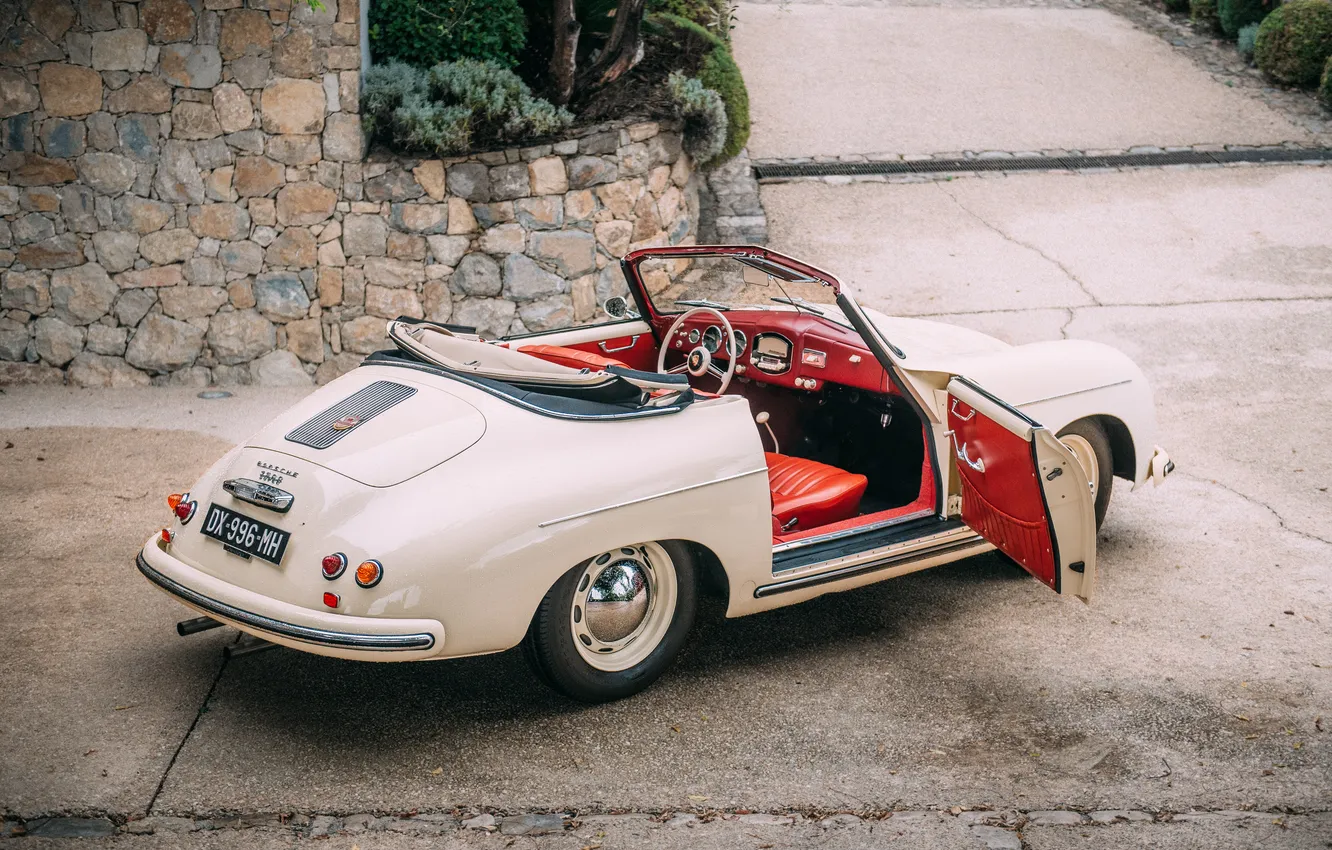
(369, 573)
(334, 565)
(185, 511)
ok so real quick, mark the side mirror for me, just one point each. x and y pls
(617, 308)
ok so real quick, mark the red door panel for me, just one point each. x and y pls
(1002, 499)
(637, 351)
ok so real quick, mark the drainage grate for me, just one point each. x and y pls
(766, 171)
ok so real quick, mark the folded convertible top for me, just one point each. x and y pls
(530, 382)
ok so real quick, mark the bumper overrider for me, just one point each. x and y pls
(337, 635)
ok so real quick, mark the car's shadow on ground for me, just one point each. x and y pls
(295, 691)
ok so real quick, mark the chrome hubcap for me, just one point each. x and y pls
(623, 606)
(1086, 455)
(617, 601)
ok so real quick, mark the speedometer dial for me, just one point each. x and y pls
(712, 338)
(740, 342)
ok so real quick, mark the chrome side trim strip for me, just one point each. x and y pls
(1075, 392)
(323, 637)
(847, 532)
(582, 514)
(892, 560)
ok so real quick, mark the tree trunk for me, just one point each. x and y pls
(624, 47)
(564, 56)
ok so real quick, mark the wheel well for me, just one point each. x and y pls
(1122, 452)
(712, 577)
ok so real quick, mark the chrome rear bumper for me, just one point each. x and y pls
(278, 629)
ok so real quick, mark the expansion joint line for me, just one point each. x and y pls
(1029, 246)
(203, 708)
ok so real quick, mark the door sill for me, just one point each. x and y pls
(846, 559)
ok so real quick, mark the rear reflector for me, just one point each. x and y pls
(166, 535)
(332, 600)
(369, 573)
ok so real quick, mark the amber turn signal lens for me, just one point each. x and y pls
(369, 573)
(174, 499)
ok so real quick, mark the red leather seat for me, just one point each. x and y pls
(810, 492)
(571, 357)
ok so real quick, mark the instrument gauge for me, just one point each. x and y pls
(712, 338)
(740, 342)
(693, 336)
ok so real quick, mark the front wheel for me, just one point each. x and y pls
(614, 623)
(1087, 441)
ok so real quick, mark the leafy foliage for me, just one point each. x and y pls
(1295, 41)
(1177, 5)
(703, 113)
(1236, 14)
(454, 107)
(1325, 87)
(426, 32)
(716, 16)
(1246, 39)
(719, 73)
(1203, 12)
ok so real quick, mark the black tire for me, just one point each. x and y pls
(549, 644)
(1091, 431)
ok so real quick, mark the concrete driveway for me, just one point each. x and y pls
(963, 707)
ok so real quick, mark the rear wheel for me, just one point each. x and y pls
(613, 624)
(1087, 441)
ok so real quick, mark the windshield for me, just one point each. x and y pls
(676, 284)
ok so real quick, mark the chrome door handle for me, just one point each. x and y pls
(978, 464)
(633, 340)
(966, 418)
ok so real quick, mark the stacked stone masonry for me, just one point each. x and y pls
(185, 198)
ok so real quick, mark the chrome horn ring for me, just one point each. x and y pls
(623, 606)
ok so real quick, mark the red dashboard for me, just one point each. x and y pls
(796, 350)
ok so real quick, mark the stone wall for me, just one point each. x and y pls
(185, 199)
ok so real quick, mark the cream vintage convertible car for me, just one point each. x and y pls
(458, 496)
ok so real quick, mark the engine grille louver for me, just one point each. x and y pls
(365, 404)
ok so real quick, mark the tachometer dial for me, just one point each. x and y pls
(740, 342)
(712, 338)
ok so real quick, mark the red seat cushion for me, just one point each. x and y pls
(571, 357)
(812, 493)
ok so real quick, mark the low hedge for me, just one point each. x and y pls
(1204, 12)
(424, 33)
(1234, 15)
(718, 72)
(1295, 41)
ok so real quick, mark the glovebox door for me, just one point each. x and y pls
(1023, 490)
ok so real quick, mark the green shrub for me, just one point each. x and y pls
(1235, 14)
(1295, 41)
(719, 73)
(1203, 12)
(426, 32)
(703, 113)
(1325, 87)
(1245, 40)
(716, 16)
(454, 107)
(1177, 5)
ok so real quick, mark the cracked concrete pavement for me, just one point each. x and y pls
(1197, 683)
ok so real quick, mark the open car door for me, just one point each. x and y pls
(1023, 490)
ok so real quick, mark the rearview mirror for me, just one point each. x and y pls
(617, 308)
(755, 277)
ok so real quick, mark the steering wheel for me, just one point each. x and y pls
(699, 360)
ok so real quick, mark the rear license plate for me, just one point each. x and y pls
(245, 536)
